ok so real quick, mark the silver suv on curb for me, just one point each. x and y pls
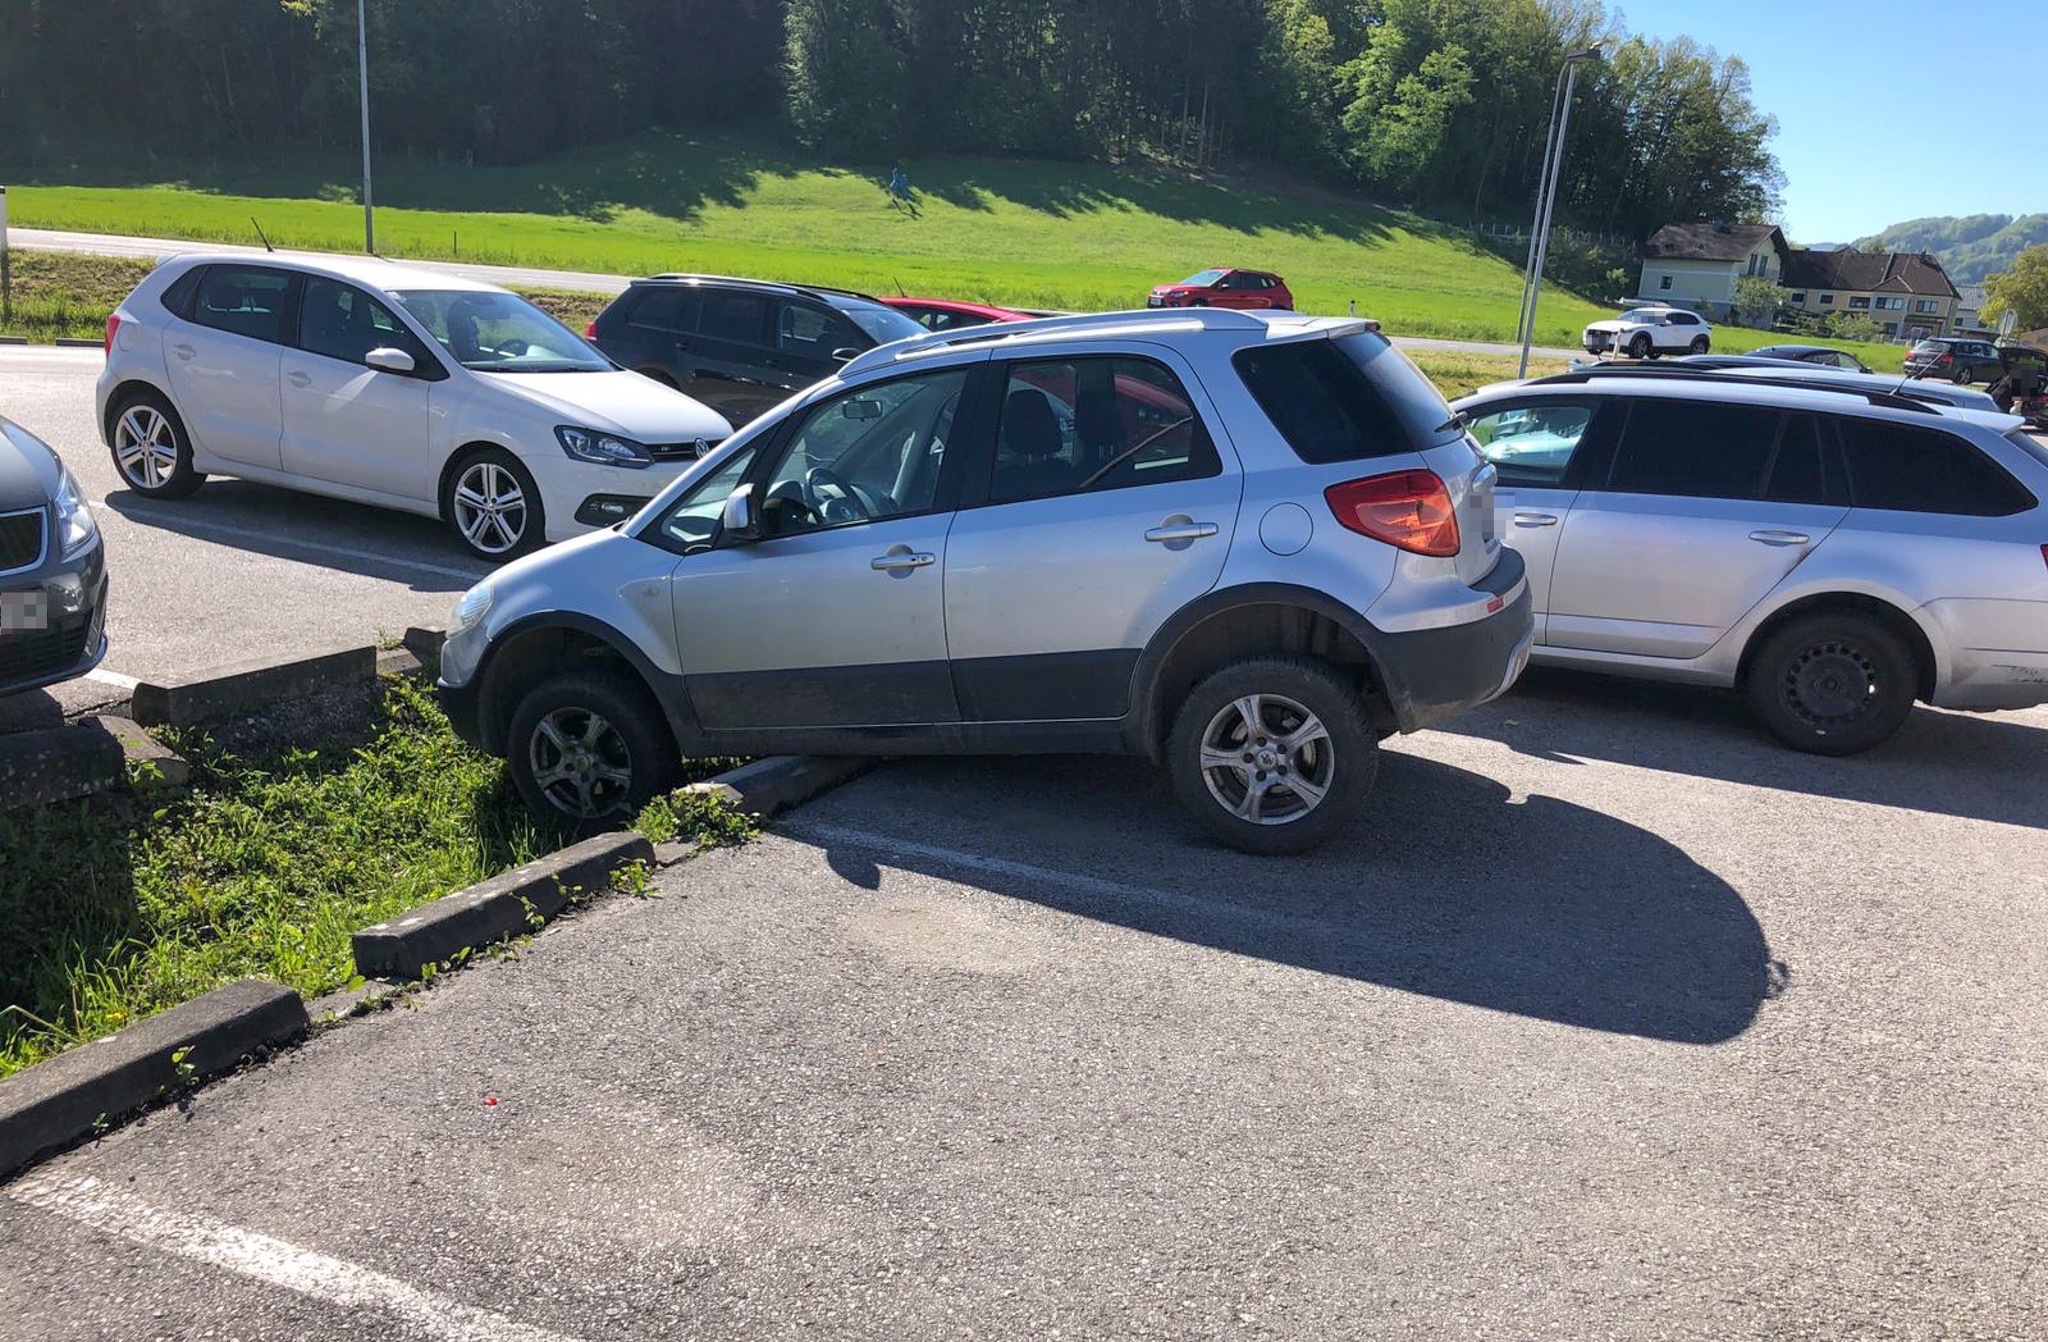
(1247, 546)
(1834, 555)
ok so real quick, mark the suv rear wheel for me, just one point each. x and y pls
(1273, 754)
(1832, 684)
(588, 749)
(1700, 344)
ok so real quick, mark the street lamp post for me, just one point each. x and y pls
(363, 79)
(1546, 197)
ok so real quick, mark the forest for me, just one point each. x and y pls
(1440, 105)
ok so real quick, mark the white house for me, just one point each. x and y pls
(1696, 265)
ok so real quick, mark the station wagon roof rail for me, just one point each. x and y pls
(1891, 400)
(1149, 320)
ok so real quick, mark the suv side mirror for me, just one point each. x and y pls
(741, 520)
(387, 360)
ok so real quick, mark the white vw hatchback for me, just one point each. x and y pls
(386, 384)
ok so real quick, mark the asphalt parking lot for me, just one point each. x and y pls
(236, 571)
(1614, 1021)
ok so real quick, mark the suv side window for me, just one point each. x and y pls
(669, 307)
(1071, 426)
(245, 301)
(1901, 468)
(1695, 449)
(813, 332)
(865, 455)
(342, 322)
(737, 317)
(1532, 444)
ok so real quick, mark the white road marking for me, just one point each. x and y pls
(204, 529)
(1174, 901)
(332, 1281)
(114, 678)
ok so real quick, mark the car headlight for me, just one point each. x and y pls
(76, 530)
(471, 608)
(606, 449)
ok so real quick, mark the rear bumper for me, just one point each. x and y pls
(1429, 675)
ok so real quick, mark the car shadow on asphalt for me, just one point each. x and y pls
(1976, 767)
(1450, 888)
(309, 529)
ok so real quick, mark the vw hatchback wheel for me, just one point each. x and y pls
(587, 750)
(151, 450)
(1273, 755)
(1832, 684)
(493, 506)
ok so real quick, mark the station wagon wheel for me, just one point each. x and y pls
(1273, 754)
(151, 449)
(492, 504)
(587, 749)
(1832, 684)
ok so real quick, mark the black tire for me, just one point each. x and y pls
(1700, 344)
(1641, 347)
(509, 531)
(146, 427)
(1343, 762)
(1965, 375)
(1832, 684)
(1198, 302)
(630, 737)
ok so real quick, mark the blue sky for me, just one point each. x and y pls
(1845, 77)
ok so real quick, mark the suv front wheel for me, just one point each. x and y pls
(588, 749)
(1273, 754)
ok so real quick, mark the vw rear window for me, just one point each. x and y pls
(1346, 399)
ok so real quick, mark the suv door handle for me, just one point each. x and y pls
(1772, 536)
(1181, 531)
(183, 351)
(902, 559)
(1535, 519)
(299, 379)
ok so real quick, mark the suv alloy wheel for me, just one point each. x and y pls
(1273, 754)
(588, 748)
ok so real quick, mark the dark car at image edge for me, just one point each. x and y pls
(53, 571)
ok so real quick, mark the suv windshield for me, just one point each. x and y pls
(1203, 277)
(500, 333)
(1347, 398)
(881, 324)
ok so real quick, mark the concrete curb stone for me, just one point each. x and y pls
(242, 688)
(54, 1103)
(142, 748)
(494, 910)
(58, 763)
(775, 784)
(77, 342)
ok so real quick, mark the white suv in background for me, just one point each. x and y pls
(1645, 333)
(386, 384)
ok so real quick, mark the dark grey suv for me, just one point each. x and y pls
(741, 346)
(53, 572)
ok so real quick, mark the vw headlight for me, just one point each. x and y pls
(605, 449)
(76, 530)
(471, 608)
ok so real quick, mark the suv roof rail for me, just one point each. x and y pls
(782, 286)
(1207, 319)
(1876, 396)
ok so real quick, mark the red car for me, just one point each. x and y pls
(944, 314)
(1224, 288)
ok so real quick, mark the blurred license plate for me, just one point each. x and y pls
(21, 612)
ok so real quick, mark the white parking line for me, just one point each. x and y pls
(203, 529)
(114, 678)
(1175, 901)
(332, 1281)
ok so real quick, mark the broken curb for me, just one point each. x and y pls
(51, 1105)
(504, 906)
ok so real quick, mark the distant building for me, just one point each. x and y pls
(1696, 265)
(1970, 308)
(1907, 294)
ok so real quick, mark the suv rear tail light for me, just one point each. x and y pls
(2044, 554)
(590, 331)
(1410, 510)
(113, 328)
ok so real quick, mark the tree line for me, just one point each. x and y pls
(1441, 104)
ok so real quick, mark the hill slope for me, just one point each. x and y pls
(1970, 246)
(1034, 234)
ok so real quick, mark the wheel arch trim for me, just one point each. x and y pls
(668, 689)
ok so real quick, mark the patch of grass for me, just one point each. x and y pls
(109, 913)
(63, 295)
(1459, 374)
